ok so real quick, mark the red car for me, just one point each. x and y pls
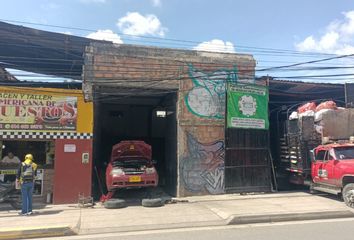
(131, 166)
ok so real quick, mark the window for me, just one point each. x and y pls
(330, 154)
(343, 153)
(320, 156)
(40, 150)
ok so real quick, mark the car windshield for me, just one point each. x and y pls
(343, 153)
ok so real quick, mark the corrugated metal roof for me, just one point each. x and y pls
(42, 52)
(281, 91)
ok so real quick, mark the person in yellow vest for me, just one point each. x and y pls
(26, 174)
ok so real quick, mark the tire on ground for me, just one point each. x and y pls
(348, 191)
(155, 202)
(114, 203)
(311, 189)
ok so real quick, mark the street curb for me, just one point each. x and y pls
(21, 233)
(237, 219)
(152, 227)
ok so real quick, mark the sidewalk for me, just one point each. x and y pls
(61, 220)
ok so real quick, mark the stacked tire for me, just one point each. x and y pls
(115, 203)
(154, 202)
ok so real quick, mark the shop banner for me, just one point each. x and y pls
(247, 106)
(22, 111)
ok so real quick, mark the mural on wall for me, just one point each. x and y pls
(202, 166)
(207, 97)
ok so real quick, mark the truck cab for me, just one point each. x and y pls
(332, 170)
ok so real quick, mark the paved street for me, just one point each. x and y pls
(209, 212)
(315, 230)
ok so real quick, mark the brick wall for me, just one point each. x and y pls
(130, 66)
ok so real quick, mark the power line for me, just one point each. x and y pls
(182, 75)
(286, 53)
(149, 81)
(260, 49)
(132, 92)
(78, 61)
(308, 62)
(320, 76)
(268, 51)
(173, 63)
(315, 61)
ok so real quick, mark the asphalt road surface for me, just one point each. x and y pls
(340, 229)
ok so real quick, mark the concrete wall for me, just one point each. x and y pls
(200, 79)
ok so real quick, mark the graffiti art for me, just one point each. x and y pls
(202, 166)
(207, 97)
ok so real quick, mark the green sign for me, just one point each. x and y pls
(247, 106)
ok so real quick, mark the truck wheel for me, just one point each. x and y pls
(155, 202)
(348, 195)
(114, 203)
(312, 191)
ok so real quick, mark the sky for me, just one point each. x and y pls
(276, 33)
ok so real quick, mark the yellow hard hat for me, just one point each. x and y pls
(29, 156)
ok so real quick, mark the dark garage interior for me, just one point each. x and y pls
(121, 114)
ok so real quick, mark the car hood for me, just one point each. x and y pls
(347, 162)
(126, 151)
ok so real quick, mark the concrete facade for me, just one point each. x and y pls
(198, 78)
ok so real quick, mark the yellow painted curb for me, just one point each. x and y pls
(37, 232)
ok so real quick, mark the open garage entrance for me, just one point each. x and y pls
(136, 114)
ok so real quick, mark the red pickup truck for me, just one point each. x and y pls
(131, 166)
(318, 150)
(332, 170)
